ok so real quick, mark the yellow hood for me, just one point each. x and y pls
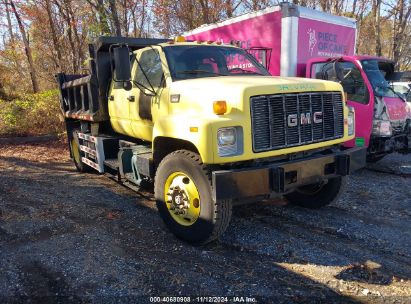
(199, 94)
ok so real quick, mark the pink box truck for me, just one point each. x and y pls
(304, 42)
(293, 33)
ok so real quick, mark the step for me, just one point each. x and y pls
(112, 163)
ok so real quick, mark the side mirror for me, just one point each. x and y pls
(122, 68)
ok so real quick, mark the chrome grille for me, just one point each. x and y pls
(274, 126)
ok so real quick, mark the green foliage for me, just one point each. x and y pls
(31, 114)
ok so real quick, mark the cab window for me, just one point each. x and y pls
(149, 72)
(353, 82)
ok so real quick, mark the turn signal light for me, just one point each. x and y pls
(220, 107)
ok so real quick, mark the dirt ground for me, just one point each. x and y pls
(71, 237)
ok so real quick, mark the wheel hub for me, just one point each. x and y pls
(179, 200)
(182, 199)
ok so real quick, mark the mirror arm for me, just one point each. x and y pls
(138, 85)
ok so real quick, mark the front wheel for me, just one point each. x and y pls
(184, 200)
(317, 195)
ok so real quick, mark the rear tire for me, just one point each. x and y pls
(182, 179)
(315, 196)
(76, 153)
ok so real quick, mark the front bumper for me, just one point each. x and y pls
(284, 176)
(399, 142)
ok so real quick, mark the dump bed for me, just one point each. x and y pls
(84, 96)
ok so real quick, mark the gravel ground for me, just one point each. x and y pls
(66, 236)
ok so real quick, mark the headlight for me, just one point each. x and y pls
(230, 141)
(226, 136)
(351, 121)
(382, 128)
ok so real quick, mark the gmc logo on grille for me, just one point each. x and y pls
(305, 119)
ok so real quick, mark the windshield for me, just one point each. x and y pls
(376, 77)
(198, 61)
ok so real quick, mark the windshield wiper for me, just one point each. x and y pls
(246, 71)
(200, 72)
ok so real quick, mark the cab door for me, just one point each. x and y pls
(148, 88)
(118, 108)
(356, 87)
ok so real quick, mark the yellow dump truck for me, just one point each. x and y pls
(209, 127)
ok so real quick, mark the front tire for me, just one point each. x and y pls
(315, 196)
(183, 193)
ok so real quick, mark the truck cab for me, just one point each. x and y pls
(208, 127)
(382, 115)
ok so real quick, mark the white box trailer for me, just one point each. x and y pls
(293, 33)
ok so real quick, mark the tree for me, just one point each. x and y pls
(377, 27)
(114, 14)
(27, 48)
(54, 34)
(402, 13)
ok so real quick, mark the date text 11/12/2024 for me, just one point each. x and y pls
(203, 299)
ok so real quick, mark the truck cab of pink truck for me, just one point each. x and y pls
(383, 120)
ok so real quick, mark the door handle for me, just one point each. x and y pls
(131, 98)
(111, 97)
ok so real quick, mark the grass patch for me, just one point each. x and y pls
(31, 114)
